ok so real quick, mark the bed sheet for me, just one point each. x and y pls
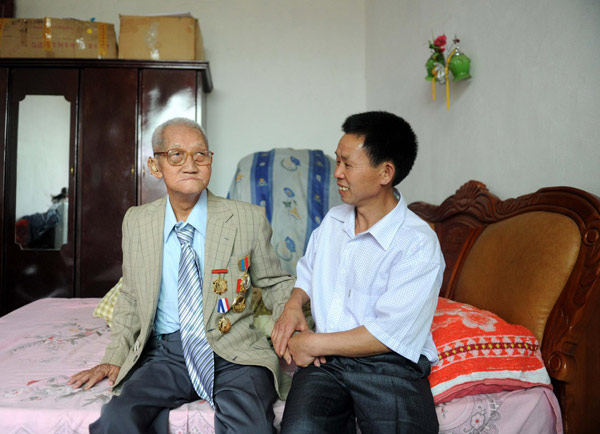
(45, 342)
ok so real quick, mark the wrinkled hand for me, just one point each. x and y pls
(302, 349)
(92, 376)
(291, 320)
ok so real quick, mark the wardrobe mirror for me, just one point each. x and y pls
(41, 206)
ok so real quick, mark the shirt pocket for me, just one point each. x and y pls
(360, 303)
(363, 292)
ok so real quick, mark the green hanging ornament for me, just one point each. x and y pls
(459, 65)
(429, 65)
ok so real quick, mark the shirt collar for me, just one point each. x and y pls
(383, 231)
(195, 218)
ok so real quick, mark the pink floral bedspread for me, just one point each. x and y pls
(45, 342)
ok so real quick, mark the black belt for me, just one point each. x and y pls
(167, 336)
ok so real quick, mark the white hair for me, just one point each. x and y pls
(158, 137)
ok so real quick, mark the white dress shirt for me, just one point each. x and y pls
(387, 278)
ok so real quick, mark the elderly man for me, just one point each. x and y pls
(372, 272)
(182, 324)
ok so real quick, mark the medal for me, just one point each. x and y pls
(244, 283)
(241, 287)
(224, 325)
(223, 305)
(239, 304)
(219, 285)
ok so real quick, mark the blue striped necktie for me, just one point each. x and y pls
(199, 357)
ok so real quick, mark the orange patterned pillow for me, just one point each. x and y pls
(481, 353)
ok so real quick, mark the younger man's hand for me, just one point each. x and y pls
(303, 348)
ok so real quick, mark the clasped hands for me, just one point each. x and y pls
(293, 340)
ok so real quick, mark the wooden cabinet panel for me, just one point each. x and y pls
(164, 94)
(3, 96)
(107, 174)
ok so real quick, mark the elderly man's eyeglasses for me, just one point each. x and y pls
(177, 157)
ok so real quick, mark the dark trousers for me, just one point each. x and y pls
(244, 395)
(386, 393)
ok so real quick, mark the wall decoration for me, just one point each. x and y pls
(438, 65)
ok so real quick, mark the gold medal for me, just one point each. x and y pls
(219, 285)
(239, 304)
(224, 325)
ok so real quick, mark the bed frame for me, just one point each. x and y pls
(535, 261)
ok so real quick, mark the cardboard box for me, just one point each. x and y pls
(56, 37)
(160, 38)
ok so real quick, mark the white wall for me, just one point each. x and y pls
(286, 72)
(526, 118)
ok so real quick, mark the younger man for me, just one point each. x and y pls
(372, 272)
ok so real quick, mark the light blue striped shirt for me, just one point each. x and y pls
(167, 311)
(387, 278)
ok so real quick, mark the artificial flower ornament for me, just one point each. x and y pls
(437, 65)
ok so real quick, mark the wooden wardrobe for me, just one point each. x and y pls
(103, 113)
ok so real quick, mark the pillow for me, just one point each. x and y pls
(481, 353)
(263, 320)
(106, 306)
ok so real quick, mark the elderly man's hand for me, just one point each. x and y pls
(92, 376)
(291, 320)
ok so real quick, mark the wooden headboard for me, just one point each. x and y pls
(535, 261)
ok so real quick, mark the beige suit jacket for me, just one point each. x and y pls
(234, 230)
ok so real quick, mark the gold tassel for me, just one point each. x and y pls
(433, 84)
(448, 80)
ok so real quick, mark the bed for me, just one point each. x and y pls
(523, 273)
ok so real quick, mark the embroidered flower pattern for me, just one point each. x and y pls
(478, 320)
(479, 414)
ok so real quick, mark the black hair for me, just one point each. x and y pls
(387, 137)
